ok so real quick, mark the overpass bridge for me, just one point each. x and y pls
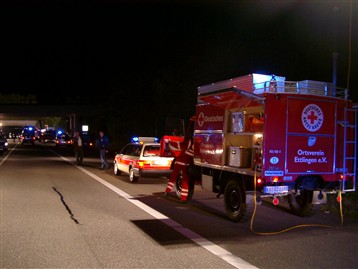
(16, 116)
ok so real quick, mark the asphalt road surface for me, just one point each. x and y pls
(55, 214)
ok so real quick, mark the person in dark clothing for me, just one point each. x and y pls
(77, 143)
(103, 145)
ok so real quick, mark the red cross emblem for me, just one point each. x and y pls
(312, 117)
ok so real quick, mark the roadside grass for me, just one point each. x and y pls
(350, 205)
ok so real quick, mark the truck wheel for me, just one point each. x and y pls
(301, 202)
(178, 188)
(234, 197)
(132, 177)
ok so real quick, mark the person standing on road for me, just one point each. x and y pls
(77, 143)
(103, 145)
(181, 164)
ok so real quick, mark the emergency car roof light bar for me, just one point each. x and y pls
(143, 139)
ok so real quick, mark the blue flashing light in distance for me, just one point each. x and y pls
(135, 139)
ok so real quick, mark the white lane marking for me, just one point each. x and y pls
(7, 155)
(201, 241)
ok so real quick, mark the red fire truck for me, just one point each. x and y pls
(260, 136)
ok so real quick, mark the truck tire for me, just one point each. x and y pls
(132, 177)
(301, 202)
(178, 188)
(234, 198)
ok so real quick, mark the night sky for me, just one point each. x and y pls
(161, 51)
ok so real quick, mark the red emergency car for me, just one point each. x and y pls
(141, 158)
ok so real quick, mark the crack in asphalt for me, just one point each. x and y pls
(66, 206)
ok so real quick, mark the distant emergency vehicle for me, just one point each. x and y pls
(28, 135)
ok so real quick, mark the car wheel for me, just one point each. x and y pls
(132, 177)
(116, 170)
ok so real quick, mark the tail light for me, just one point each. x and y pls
(275, 179)
(142, 164)
(154, 163)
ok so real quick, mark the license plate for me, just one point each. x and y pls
(275, 189)
(161, 162)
